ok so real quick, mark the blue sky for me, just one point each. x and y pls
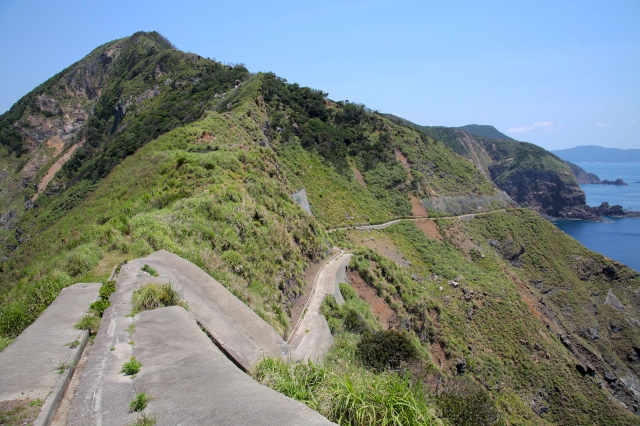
(555, 73)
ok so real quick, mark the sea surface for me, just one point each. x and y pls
(617, 239)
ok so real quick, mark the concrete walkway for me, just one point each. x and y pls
(234, 325)
(312, 338)
(192, 380)
(193, 383)
(29, 366)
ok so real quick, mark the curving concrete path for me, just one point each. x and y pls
(312, 338)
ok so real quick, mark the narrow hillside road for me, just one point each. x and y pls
(311, 338)
(463, 217)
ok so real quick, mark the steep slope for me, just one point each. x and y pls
(515, 304)
(484, 131)
(532, 176)
(500, 315)
(122, 95)
(582, 176)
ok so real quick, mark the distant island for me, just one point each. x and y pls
(598, 154)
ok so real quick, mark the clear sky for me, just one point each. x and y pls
(555, 73)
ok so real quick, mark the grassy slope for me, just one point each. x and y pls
(208, 192)
(156, 88)
(222, 204)
(500, 332)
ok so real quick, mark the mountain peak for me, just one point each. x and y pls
(484, 130)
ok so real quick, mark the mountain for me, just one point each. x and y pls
(582, 176)
(530, 175)
(598, 154)
(484, 131)
(496, 315)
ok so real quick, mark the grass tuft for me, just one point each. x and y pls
(131, 367)
(145, 419)
(89, 322)
(149, 270)
(139, 402)
(152, 296)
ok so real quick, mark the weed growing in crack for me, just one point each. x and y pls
(139, 402)
(131, 367)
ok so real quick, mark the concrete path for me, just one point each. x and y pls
(193, 383)
(192, 380)
(464, 217)
(312, 337)
(29, 366)
(234, 325)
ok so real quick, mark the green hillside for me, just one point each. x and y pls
(492, 318)
(484, 131)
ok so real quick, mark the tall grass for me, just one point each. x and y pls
(352, 397)
(153, 296)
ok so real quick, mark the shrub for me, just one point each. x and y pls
(99, 306)
(152, 296)
(106, 289)
(131, 367)
(385, 349)
(466, 404)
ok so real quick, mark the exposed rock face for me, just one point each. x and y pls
(618, 182)
(547, 193)
(585, 212)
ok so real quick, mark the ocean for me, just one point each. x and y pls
(617, 239)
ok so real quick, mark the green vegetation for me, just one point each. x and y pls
(106, 289)
(139, 402)
(89, 321)
(131, 367)
(149, 270)
(145, 419)
(20, 412)
(354, 316)
(386, 349)
(61, 366)
(153, 296)
(493, 323)
(74, 344)
(466, 404)
(347, 398)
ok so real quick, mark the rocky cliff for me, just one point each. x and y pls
(582, 176)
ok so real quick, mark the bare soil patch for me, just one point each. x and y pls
(403, 159)
(380, 308)
(358, 176)
(55, 168)
(19, 411)
(417, 209)
(430, 228)
(437, 348)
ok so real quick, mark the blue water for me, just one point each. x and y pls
(618, 239)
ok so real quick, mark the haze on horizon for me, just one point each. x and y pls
(558, 74)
